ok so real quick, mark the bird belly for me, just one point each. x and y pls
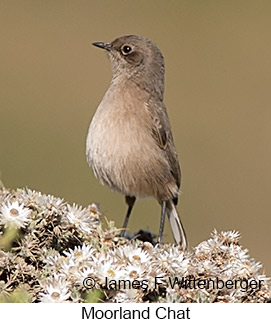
(120, 161)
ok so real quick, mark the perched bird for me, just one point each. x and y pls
(129, 143)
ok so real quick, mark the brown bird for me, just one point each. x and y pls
(129, 144)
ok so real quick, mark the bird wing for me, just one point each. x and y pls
(161, 132)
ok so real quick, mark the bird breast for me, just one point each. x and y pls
(120, 147)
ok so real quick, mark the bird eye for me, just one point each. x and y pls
(126, 49)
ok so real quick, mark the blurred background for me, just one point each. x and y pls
(217, 92)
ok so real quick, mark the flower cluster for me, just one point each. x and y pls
(34, 226)
(62, 253)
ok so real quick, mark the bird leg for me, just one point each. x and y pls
(130, 200)
(162, 221)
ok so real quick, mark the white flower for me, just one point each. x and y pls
(135, 272)
(80, 255)
(106, 269)
(133, 254)
(14, 215)
(83, 273)
(75, 261)
(80, 218)
(172, 263)
(227, 237)
(56, 291)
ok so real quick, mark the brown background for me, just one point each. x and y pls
(218, 73)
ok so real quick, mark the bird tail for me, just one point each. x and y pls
(176, 225)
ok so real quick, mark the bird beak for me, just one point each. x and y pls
(105, 46)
